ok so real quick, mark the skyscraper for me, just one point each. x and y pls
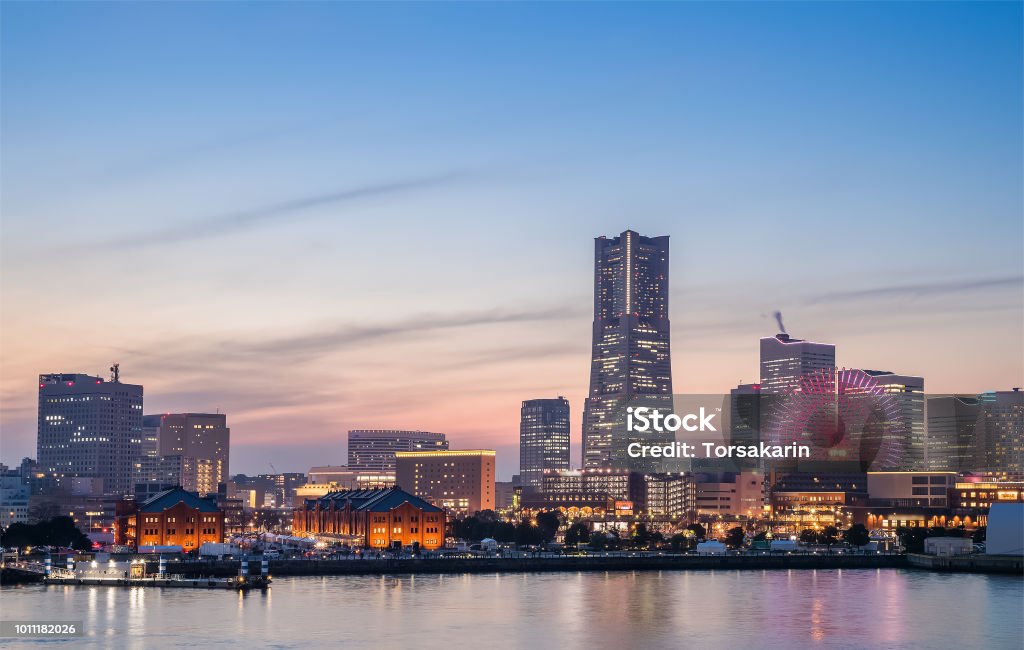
(89, 428)
(1000, 430)
(543, 439)
(784, 360)
(908, 391)
(194, 448)
(950, 443)
(631, 362)
(373, 450)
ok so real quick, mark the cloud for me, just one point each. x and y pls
(920, 290)
(233, 222)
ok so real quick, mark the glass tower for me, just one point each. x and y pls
(630, 363)
(543, 439)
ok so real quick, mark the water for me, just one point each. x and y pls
(885, 608)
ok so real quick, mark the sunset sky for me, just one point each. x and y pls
(325, 216)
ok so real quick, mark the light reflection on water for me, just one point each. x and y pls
(702, 609)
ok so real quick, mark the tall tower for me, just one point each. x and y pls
(90, 432)
(630, 363)
(543, 439)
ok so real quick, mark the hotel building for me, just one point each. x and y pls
(373, 450)
(459, 481)
(784, 360)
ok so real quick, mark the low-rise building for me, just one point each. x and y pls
(377, 518)
(174, 517)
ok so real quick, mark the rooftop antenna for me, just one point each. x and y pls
(115, 373)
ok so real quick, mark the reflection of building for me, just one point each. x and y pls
(630, 362)
(460, 481)
(372, 518)
(908, 391)
(373, 450)
(89, 428)
(543, 439)
(174, 517)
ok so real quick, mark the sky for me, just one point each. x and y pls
(324, 216)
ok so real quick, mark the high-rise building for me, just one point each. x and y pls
(908, 391)
(88, 428)
(459, 481)
(631, 361)
(197, 444)
(1000, 430)
(543, 439)
(784, 360)
(745, 420)
(950, 443)
(373, 450)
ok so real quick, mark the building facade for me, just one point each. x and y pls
(187, 449)
(909, 431)
(631, 357)
(460, 481)
(543, 439)
(174, 517)
(377, 519)
(373, 450)
(784, 360)
(88, 428)
(1000, 431)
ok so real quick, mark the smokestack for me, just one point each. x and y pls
(778, 319)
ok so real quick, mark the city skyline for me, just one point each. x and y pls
(302, 265)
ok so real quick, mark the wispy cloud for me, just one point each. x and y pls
(233, 222)
(921, 290)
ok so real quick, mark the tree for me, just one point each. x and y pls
(980, 534)
(578, 532)
(856, 535)
(598, 541)
(698, 531)
(58, 531)
(548, 523)
(808, 536)
(734, 538)
(679, 542)
(912, 538)
(528, 535)
(641, 537)
(829, 536)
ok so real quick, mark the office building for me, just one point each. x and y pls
(461, 481)
(373, 450)
(907, 431)
(543, 439)
(88, 428)
(631, 360)
(950, 442)
(785, 360)
(198, 444)
(1000, 431)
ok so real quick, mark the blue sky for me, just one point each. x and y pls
(387, 209)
